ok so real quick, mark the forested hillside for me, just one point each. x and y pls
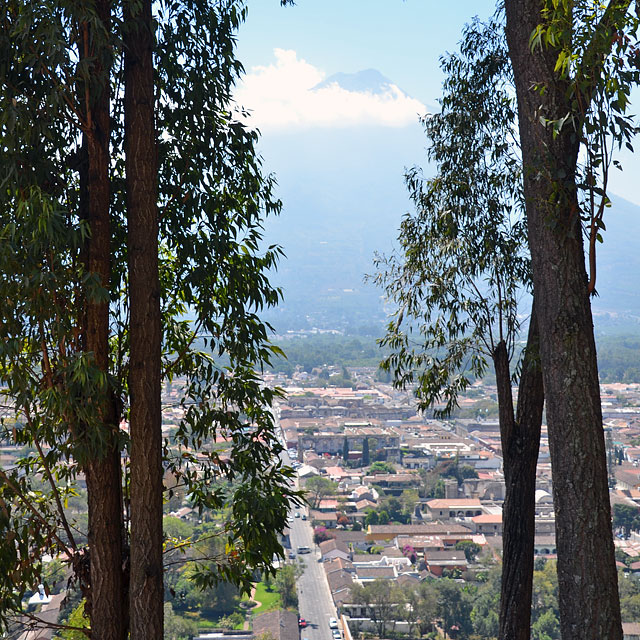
(618, 355)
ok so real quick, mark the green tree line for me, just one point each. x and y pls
(618, 355)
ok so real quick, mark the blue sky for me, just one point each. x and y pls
(401, 39)
(290, 48)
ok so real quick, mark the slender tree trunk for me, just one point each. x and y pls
(520, 444)
(101, 451)
(146, 586)
(587, 579)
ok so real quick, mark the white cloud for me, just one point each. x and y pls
(281, 96)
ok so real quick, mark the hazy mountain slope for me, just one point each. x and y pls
(344, 196)
(618, 275)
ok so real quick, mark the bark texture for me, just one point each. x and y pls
(520, 436)
(588, 594)
(106, 603)
(146, 585)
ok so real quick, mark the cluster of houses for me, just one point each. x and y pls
(328, 440)
(327, 429)
(402, 553)
(332, 430)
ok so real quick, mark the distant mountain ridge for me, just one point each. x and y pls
(616, 308)
(344, 196)
(368, 80)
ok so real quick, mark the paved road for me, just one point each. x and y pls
(314, 598)
(315, 603)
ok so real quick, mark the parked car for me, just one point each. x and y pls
(336, 634)
(302, 623)
(304, 516)
(333, 623)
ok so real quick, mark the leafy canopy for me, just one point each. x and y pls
(213, 197)
(461, 264)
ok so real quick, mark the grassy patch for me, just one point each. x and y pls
(205, 623)
(268, 599)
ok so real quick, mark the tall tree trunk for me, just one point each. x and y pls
(146, 586)
(101, 451)
(520, 445)
(587, 579)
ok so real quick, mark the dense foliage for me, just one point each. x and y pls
(59, 57)
(618, 355)
(322, 350)
(619, 358)
(462, 263)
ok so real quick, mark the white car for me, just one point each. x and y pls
(336, 634)
(333, 623)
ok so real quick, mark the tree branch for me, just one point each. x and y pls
(35, 512)
(595, 54)
(39, 622)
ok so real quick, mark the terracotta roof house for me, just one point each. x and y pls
(327, 504)
(449, 508)
(353, 539)
(421, 543)
(328, 519)
(438, 561)
(342, 597)
(279, 624)
(488, 523)
(449, 532)
(338, 564)
(369, 574)
(364, 504)
(336, 473)
(628, 477)
(331, 549)
(339, 580)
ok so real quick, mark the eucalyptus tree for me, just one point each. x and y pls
(72, 363)
(456, 279)
(146, 586)
(574, 64)
(56, 95)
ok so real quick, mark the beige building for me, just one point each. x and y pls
(450, 508)
(450, 533)
(490, 524)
